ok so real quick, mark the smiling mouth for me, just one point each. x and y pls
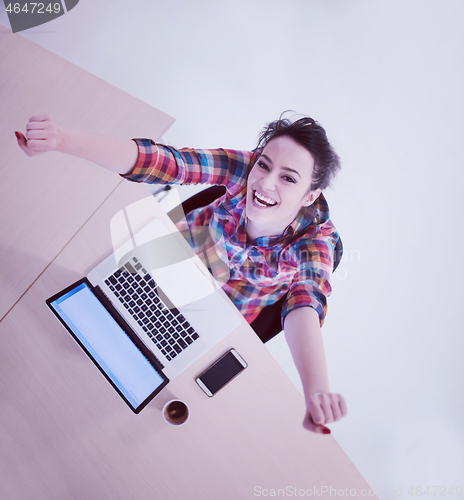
(263, 201)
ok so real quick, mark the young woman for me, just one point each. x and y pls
(271, 229)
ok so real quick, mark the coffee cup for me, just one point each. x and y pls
(175, 412)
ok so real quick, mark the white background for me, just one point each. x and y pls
(386, 80)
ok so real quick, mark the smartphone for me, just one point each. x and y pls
(221, 372)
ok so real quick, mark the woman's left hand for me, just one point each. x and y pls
(323, 408)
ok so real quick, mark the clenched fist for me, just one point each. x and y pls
(42, 135)
(324, 408)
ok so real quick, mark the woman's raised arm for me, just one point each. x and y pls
(112, 153)
(303, 335)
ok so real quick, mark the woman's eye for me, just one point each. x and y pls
(289, 179)
(263, 165)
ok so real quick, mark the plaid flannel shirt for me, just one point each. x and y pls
(254, 273)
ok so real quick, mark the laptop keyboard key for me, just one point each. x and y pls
(168, 329)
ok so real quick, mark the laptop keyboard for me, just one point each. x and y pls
(137, 291)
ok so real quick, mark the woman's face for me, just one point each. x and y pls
(278, 186)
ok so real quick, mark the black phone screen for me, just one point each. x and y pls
(224, 370)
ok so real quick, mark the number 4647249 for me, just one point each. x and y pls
(30, 8)
(440, 491)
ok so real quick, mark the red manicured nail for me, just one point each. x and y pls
(18, 135)
(326, 430)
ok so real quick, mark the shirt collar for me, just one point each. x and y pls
(314, 215)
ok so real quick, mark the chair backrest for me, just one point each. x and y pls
(268, 322)
(198, 200)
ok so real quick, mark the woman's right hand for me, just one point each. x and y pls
(42, 135)
(114, 153)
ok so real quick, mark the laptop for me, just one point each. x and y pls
(151, 306)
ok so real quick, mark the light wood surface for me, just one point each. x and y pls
(67, 434)
(35, 81)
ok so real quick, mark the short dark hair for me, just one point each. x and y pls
(309, 134)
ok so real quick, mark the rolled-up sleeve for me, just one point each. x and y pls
(311, 283)
(157, 163)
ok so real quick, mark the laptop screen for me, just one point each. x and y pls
(108, 344)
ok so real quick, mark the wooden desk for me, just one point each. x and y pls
(67, 434)
(35, 81)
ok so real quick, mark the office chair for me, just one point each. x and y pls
(268, 323)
